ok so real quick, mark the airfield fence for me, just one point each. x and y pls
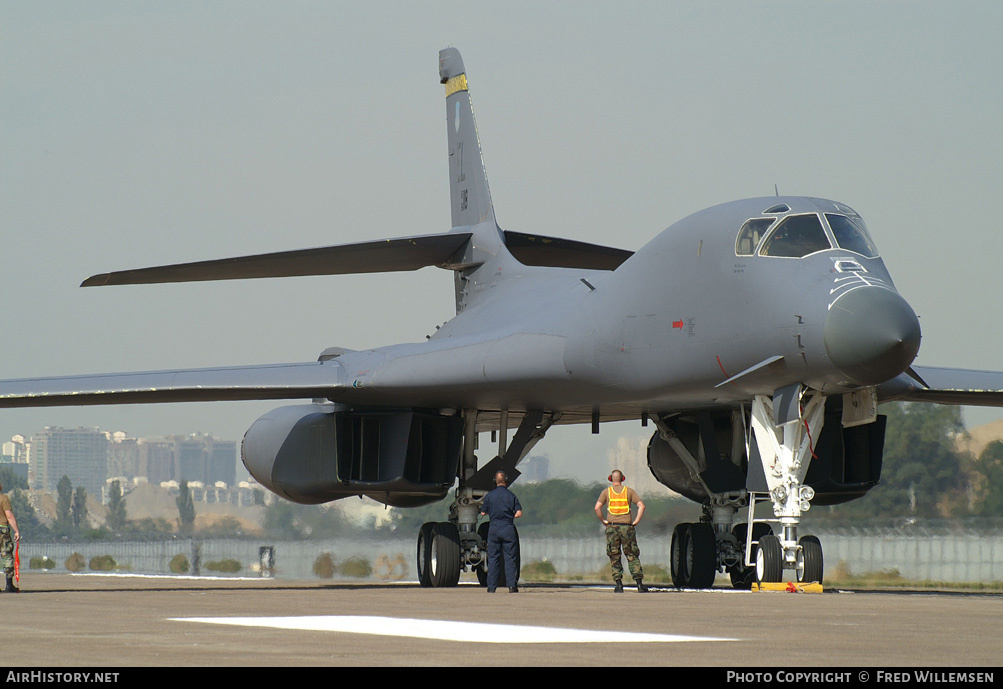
(959, 557)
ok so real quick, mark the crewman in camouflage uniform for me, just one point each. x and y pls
(620, 533)
(7, 524)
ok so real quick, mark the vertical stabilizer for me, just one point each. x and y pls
(469, 196)
(484, 260)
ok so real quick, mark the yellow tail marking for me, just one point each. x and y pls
(457, 83)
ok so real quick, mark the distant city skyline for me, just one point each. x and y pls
(91, 457)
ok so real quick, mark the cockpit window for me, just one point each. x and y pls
(796, 236)
(851, 234)
(843, 208)
(750, 234)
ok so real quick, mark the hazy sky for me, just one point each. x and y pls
(143, 133)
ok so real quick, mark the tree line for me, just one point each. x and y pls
(74, 521)
(924, 475)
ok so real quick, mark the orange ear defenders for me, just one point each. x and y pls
(622, 477)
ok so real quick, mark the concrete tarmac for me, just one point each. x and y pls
(108, 622)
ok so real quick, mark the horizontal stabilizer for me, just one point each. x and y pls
(385, 255)
(538, 250)
(946, 386)
(277, 381)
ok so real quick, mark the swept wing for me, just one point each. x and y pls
(384, 255)
(274, 381)
(381, 256)
(946, 386)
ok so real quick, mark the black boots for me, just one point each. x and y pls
(641, 588)
(10, 585)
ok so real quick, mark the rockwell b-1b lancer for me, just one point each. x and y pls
(757, 337)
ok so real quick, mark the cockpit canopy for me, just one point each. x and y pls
(796, 235)
(851, 234)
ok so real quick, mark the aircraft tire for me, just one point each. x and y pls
(424, 536)
(444, 555)
(701, 555)
(810, 564)
(769, 560)
(677, 559)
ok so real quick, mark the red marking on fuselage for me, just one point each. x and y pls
(723, 371)
(722, 366)
(677, 324)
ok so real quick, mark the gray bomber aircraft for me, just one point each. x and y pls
(757, 337)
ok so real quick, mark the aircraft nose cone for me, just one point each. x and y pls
(871, 334)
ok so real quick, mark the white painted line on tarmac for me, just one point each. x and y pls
(475, 632)
(186, 577)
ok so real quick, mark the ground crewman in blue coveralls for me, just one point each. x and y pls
(502, 507)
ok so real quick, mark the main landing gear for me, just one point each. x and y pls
(438, 554)
(442, 556)
(445, 549)
(779, 446)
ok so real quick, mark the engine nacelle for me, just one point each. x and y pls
(715, 441)
(317, 453)
(846, 465)
(669, 470)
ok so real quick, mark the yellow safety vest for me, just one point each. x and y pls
(619, 503)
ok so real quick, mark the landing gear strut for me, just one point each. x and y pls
(779, 448)
(445, 549)
(743, 575)
(785, 428)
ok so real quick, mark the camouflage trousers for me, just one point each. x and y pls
(622, 537)
(6, 550)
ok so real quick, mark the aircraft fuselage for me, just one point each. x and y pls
(661, 329)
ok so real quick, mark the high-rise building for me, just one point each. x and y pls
(15, 456)
(81, 454)
(87, 456)
(197, 457)
(191, 459)
(222, 462)
(157, 460)
(535, 469)
(15, 450)
(631, 457)
(123, 455)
